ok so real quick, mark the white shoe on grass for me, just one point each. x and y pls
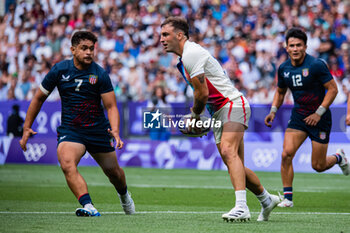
(127, 203)
(285, 203)
(265, 212)
(88, 210)
(344, 164)
(238, 213)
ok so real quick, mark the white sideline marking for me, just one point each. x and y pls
(177, 212)
(300, 190)
(303, 189)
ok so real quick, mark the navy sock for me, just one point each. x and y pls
(84, 199)
(338, 157)
(122, 191)
(288, 193)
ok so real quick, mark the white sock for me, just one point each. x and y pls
(124, 198)
(264, 198)
(88, 206)
(241, 198)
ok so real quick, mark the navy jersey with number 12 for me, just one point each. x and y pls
(80, 92)
(305, 82)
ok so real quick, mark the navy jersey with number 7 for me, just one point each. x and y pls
(80, 92)
(305, 82)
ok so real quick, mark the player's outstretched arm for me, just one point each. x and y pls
(332, 92)
(110, 103)
(276, 103)
(33, 110)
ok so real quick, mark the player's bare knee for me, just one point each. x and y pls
(230, 158)
(287, 156)
(318, 167)
(110, 171)
(228, 154)
(113, 172)
(68, 167)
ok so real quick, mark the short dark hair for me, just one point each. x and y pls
(296, 33)
(83, 35)
(178, 23)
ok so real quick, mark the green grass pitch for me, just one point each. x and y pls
(37, 199)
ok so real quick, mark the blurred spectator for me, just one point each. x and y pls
(247, 37)
(337, 37)
(23, 90)
(43, 51)
(119, 41)
(4, 87)
(54, 43)
(12, 87)
(15, 123)
(158, 102)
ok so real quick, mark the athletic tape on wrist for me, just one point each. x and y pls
(273, 109)
(195, 115)
(321, 110)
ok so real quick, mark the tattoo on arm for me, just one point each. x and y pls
(200, 94)
(201, 78)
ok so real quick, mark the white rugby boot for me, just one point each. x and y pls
(265, 212)
(238, 213)
(127, 203)
(87, 211)
(344, 164)
(285, 203)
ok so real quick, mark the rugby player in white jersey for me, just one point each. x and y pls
(212, 88)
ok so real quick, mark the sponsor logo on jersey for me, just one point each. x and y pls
(286, 74)
(305, 72)
(93, 79)
(64, 78)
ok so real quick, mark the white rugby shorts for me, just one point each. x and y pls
(236, 110)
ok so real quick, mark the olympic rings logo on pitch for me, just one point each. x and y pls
(34, 151)
(264, 157)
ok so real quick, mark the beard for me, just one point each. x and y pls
(85, 61)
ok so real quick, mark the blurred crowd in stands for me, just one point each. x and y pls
(246, 36)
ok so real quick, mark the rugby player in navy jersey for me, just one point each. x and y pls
(82, 85)
(313, 90)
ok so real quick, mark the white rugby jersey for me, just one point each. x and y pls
(196, 60)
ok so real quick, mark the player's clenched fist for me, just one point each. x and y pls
(269, 119)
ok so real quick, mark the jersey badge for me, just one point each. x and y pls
(286, 74)
(93, 79)
(305, 72)
(111, 142)
(322, 135)
(64, 78)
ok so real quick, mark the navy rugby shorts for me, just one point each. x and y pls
(95, 141)
(319, 133)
